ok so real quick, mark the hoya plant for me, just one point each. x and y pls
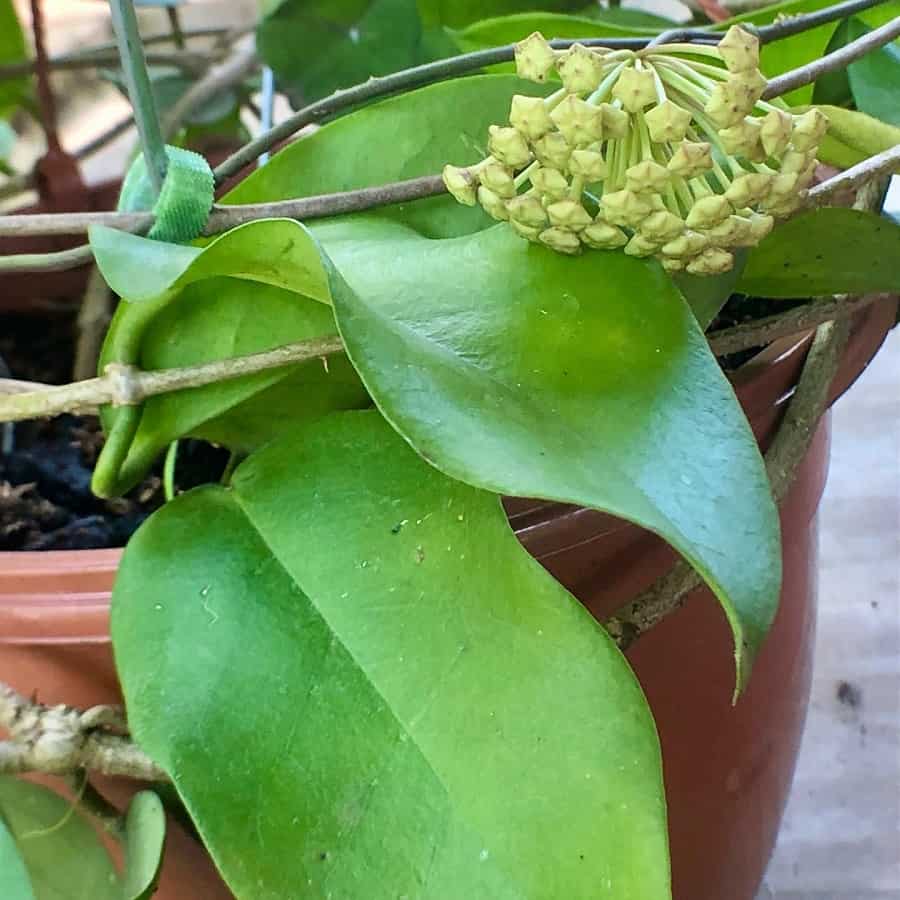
(471, 284)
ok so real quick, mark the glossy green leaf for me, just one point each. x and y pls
(402, 137)
(628, 16)
(584, 380)
(145, 836)
(14, 881)
(875, 79)
(823, 252)
(318, 46)
(459, 13)
(61, 850)
(12, 50)
(418, 710)
(252, 289)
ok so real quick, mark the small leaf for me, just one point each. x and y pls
(145, 835)
(60, 848)
(257, 287)
(14, 881)
(823, 252)
(420, 710)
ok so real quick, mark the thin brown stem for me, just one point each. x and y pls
(93, 317)
(885, 163)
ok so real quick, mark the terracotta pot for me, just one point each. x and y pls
(728, 769)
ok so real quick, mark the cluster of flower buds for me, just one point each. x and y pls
(668, 151)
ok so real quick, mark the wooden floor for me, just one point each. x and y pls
(841, 835)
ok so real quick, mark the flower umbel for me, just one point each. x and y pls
(651, 151)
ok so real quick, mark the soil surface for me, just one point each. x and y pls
(45, 466)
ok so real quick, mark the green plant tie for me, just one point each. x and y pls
(184, 202)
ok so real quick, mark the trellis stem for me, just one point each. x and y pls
(137, 80)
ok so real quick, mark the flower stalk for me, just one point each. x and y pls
(650, 151)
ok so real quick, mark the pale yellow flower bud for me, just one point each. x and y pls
(712, 261)
(550, 182)
(672, 263)
(739, 49)
(775, 132)
(795, 161)
(529, 116)
(635, 88)
(588, 164)
(685, 245)
(691, 159)
(639, 245)
(602, 236)
(760, 226)
(742, 139)
(580, 70)
(733, 232)
(647, 177)
(568, 214)
(626, 208)
(529, 232)
(730, 101)
(492, 204)
(553, 150)
(668, 122)
(508, 146)
(708, 212)
(461, 183)
(580, 123)
(748, 189)
(528, 210)
(809, 129)
(663, 226)
(535, 58)
(498, 178)
(561, 239)
(616, 122)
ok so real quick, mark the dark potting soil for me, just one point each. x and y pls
(45, 466)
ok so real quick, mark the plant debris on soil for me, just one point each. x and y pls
(45, 466)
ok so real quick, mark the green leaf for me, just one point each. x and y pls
(403, 137)
(12, 50)
(14, 881)
(257, 287)
(823, 252)
(459, 13)
(61, 850)
(582, 380)
(145, 836)
(318, 46)
(415, 710)
(875, 79)
(630, 17)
